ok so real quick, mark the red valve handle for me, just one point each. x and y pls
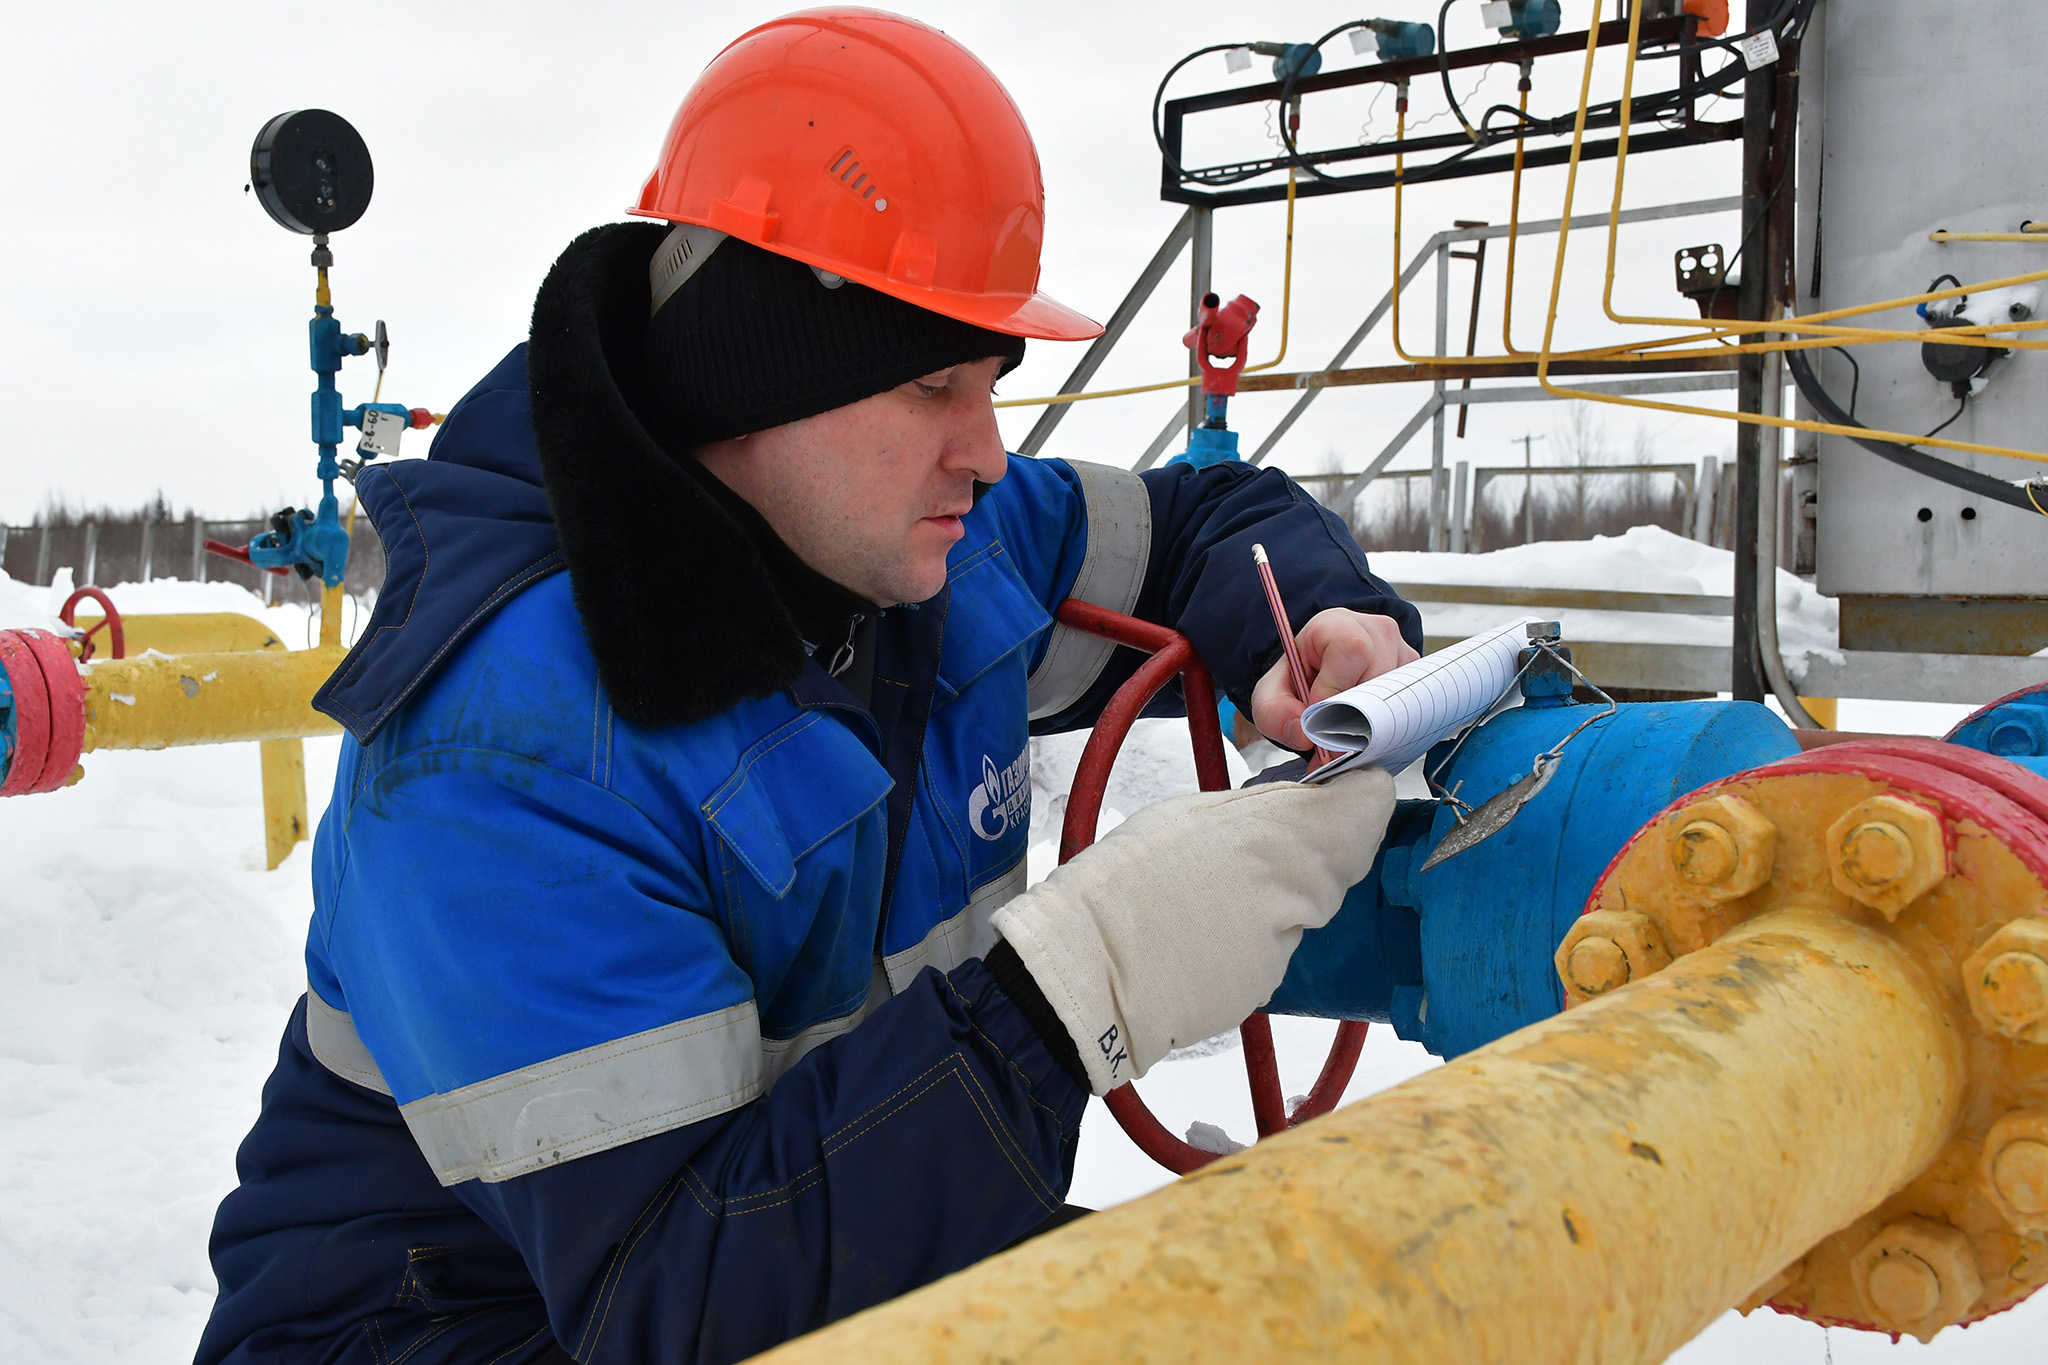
(1173, 654)
(240, 554)
(110, 622)
(1222, 329)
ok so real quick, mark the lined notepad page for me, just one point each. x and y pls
(1392, 720)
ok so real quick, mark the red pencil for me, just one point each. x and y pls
(1273, 601)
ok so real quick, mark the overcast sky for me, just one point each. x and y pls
(152, 317)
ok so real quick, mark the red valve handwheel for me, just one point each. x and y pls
(110, 623)
(1172, 654)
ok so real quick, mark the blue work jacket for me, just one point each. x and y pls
(669, 1042)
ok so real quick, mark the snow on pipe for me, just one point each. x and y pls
(1815, 1075)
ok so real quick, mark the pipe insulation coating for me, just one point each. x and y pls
(1598, 1186)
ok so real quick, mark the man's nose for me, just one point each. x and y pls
(975, 445)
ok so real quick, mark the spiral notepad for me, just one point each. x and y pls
(1392, 720)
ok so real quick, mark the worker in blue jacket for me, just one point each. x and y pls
(673, 985)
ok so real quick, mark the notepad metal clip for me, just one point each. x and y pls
(1546, 672)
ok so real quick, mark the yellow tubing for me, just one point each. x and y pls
(207, 632)
(1286, 283)
(1686, 409)
(162, 702)
(1598, 1186)
(1286, 310)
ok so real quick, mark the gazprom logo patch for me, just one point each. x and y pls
(1003, 800)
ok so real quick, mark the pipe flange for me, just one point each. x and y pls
(46, 716)
(1944, 849)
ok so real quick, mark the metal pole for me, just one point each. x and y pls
(1704, 498)
(198, 550)
(148, 545)
(1759, 96)
(1204, 235)
(1477, 255)
(1459, 539)
(1341, 504)
(91, 564)
(1112, 331)
(43, 556)
(1439, 491)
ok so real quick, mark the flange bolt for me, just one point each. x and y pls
(2015, 1169)
(1606, 949)
(2007, 981)
(1917, 1276)
(1886, 853)
(1703, 853)
(1720, 848)
(1597, 966)
(2020, 1172)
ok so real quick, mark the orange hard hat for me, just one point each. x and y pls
(876, 148)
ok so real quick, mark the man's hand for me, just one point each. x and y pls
(1339, 648)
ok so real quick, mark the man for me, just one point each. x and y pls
(670, 988)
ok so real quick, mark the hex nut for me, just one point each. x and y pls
(1917, 1276)
(1607, 949)
(2014, 1169)
(1886, 853)
(1720, 848)
(2007, 981)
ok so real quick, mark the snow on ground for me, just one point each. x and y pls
(1645, 559)
(150, 962)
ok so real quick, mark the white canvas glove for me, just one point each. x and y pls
(1181, 921)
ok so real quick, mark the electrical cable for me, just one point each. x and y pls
(1443, 71)
(1961, 403)
(2012, 494)
(1856, 377)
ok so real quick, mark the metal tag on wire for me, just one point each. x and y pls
(1477, 824)
(1490, 816)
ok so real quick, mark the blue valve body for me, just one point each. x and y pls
(1461, 954)
(1533, 19)
(1402, 41)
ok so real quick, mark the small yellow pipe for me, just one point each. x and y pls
(2035, 235)
(167, 701)
(1598, 1186)
(330, 609)
(207, 632)
(1286, 284)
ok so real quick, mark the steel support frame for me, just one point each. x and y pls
(1179, 188)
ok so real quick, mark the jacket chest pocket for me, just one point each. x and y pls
(802, 842)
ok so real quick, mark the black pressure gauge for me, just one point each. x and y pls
(311, 170)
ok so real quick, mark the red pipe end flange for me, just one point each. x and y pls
(47, 701)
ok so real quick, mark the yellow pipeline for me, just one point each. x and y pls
(1599, 1186)
(170, 702)
(166, 701)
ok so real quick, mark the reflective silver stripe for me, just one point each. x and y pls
(336, 1045)
(967, 934)
(1112, 573)
(780, 1054)
(593, 1100)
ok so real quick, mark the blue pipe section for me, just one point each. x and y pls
(2015, 728)
(1461, 954)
